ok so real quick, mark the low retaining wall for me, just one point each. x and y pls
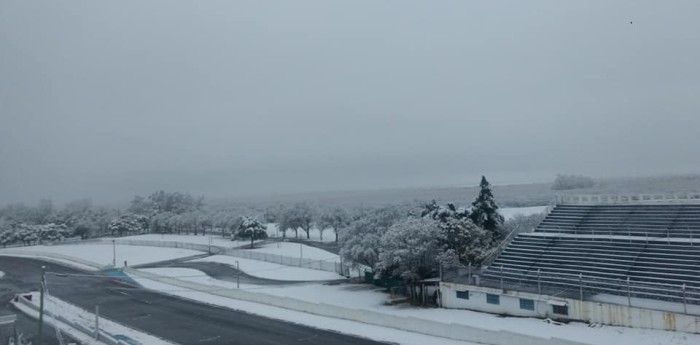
(587, 311)
(411, 324)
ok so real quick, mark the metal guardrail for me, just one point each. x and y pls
(581, 286)
(615, 199)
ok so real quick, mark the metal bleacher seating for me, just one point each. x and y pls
(647, 251)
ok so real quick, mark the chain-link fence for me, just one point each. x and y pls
(329, 265)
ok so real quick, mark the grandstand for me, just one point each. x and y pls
(639, 249)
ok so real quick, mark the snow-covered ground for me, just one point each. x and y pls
(86, 319)
(270, 270)
(510, 212)
(102, 254)
(292, 249)
(2, 274)
(368, 297)
(197, 276)
(321, 322)
(216, 240)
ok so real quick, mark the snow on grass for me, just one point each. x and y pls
(320, 322)
(511, 212)
(216, 240)
(196, 276)
(361, 296)
(101, 254)
(268, 270)
(296, 250)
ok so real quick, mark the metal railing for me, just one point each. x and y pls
(614, 199)
(582, 287)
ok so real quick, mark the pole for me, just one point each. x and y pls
(539, 283)
(469, 265)
(97, 322)
(238, 276)
(40, 335)
(580, 285)
(114, 254)
(629, 292)
(301, 253)
(685, 304)
(501, 277)
(210, 244)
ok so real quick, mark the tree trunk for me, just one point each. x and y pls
(336, 236)
(307, 233)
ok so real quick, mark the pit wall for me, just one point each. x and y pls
(585, 311)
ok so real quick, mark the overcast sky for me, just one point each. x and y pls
(108, 99)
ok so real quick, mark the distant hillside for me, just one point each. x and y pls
(516, 195)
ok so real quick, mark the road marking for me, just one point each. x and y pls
(141, 317)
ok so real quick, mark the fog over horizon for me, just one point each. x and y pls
(106, 100)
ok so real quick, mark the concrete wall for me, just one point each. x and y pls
(587, 311)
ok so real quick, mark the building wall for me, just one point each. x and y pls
(586, 311)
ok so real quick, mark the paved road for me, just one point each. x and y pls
(228, 273)
(181, 321)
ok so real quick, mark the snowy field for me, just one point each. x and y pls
(216, 240)
(296, 250)
(196, 276)
(268, 270)
(101, 254)
(510, 212)
(359, 296)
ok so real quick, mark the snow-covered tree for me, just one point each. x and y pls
(298, 216)
(251, 228)
(485, 211)
(469, 242)
(360, 241)
(128, 224)
(335, 218)
(413, 249)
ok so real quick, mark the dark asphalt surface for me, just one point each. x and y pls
(225, 272)
(177, 320)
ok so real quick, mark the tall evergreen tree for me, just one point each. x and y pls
(485, 211)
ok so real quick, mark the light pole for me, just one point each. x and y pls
(238, 276)
(114, 253)
(40, 336)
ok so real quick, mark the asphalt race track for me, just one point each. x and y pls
(174, 319)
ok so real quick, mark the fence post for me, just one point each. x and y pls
(539, 285)
(501, 277)
(685, 304)
(580, 285)
(629, 292)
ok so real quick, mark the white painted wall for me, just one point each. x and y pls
(587, 311)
